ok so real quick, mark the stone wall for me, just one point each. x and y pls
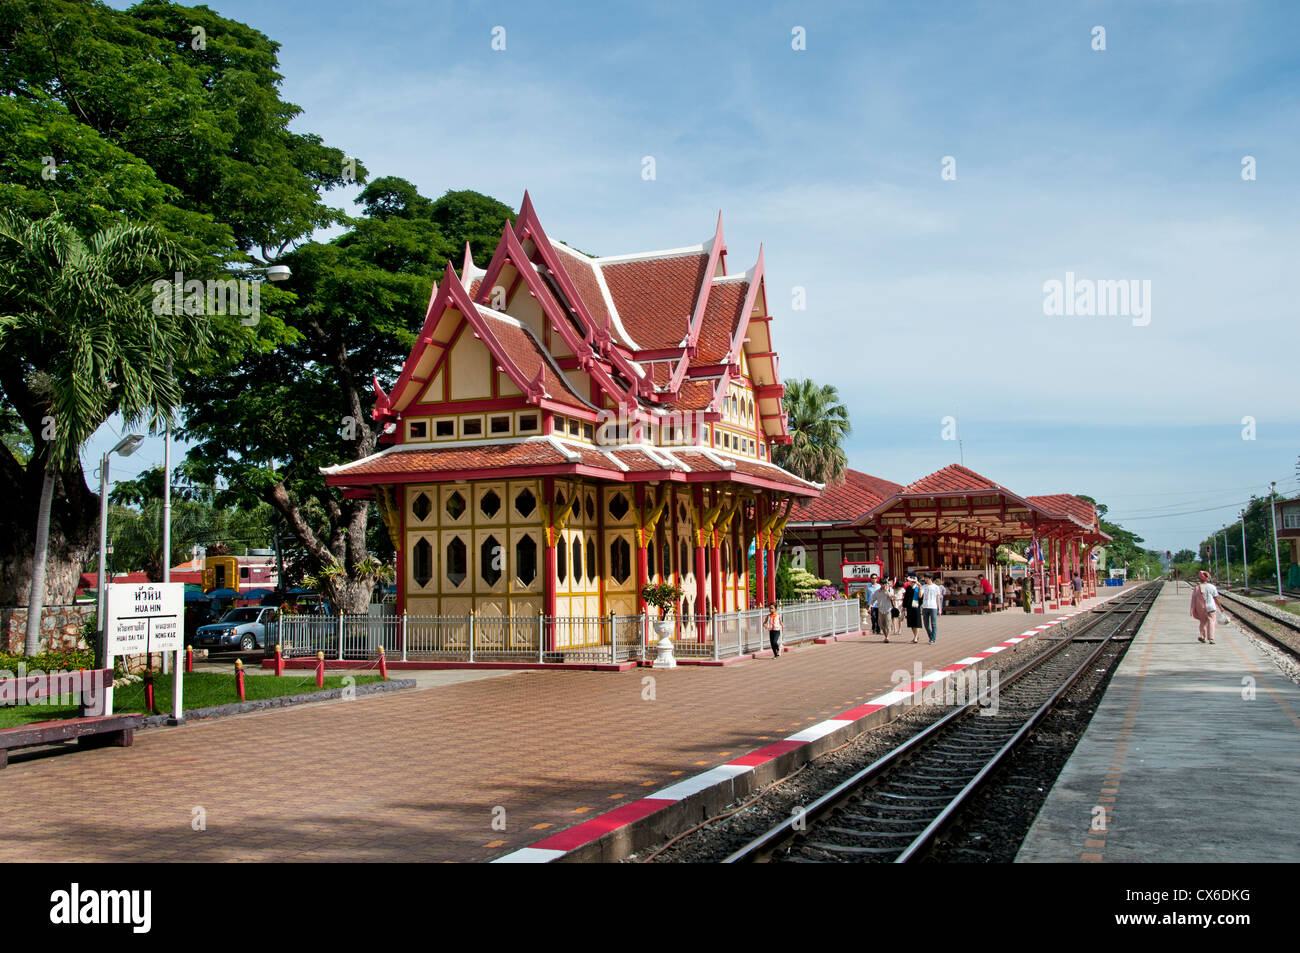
(60, 627)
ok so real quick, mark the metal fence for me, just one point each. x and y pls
(611, 638)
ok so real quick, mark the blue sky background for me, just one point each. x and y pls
(924, 296)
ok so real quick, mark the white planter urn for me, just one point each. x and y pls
(664, 646)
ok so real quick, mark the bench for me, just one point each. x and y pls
(92, 729)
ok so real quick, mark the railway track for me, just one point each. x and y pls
(895, 809)
(1281, 633)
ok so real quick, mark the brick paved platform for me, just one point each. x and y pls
(1192, 755)
(422, 775)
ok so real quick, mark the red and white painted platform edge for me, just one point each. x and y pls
(557, 845)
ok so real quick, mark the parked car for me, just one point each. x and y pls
(246, 629)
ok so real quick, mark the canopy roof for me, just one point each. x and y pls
(953, 501)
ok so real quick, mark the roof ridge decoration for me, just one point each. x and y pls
(732, 367)
(718, 247)
(529, 226)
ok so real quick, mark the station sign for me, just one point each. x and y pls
(145, 617)
(861, 572)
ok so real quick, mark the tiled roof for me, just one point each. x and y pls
(953, 478)
(656, 297)
(1063, 504)
(697, 459)
(695, 394)
(847, 501)
(721, 318)
(582, 272)
(424, 458)
(524, 350)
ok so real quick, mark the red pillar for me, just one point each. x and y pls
(701, 595)
(715, 561)
(548, 562)
(760, 567)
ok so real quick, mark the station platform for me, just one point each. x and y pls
(1191, 757)
(513, 766)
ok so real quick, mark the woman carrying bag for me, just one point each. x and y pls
(773, 623)
(1205, 606)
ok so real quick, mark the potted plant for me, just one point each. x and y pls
(663, 597)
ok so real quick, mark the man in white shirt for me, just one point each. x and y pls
(931, 600)
(870, 591)
(882, 607)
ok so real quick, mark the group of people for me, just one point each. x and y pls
(916, 603)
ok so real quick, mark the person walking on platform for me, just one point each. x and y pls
(881, 607)
(986, 588)
(931, 601)
(1205, 606)
(912, 606)
(773, 623)
(896, 600)
(1076, 587)
(870, 590)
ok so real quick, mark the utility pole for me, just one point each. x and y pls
(1245, 565)
(1277, 559)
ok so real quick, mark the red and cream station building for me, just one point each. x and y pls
(569, 428)
(953, 520)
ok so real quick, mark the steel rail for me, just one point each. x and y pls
(1260, 630)
(765, 844)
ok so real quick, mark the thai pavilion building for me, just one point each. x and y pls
(569, 428)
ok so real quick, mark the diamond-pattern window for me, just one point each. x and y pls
(457, 568)
(490, 503)
(562, 559)
(422, 562)
(591, 558)
(421, 506)
(490, 559)
(577, 559)
(620, 560)
(591, 506)
(666, 560)
(683, 559)
(526, 560)
(455, 505)
(650, 560)
(618, 506)
(525, 502)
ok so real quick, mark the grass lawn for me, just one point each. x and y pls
(202, 689)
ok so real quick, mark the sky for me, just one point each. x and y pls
(918, 174)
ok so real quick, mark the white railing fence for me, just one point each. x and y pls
(539, 638)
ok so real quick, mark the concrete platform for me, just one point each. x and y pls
(1192, 756)
(469, 770)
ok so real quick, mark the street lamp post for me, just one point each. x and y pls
(124, 448)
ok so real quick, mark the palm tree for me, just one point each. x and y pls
(818, 424)
(76, 319)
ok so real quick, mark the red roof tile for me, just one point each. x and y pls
(1065, 504)
(420, 458)
(953, 478)
(655, 297)
(722, 316)
(522, 348)
(582, 273)
(847, 501)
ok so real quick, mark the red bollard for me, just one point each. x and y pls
(320, 669)
(239, 678)
(189, 659)
(383, 664)
(148, 693)
(279, 661)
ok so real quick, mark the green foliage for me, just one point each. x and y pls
(150, 121)
(663, 596)
(818, 424)
(48, 661)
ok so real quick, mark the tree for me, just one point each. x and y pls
(267, 422)
(83, 306)
(160, 114)
(818, 424)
